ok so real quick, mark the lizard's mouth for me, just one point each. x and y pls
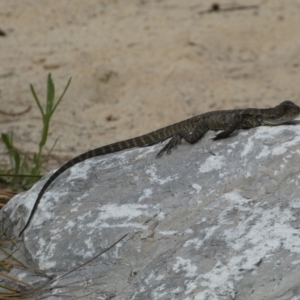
(284, 112)
(278, 121)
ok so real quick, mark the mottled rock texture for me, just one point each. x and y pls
(214, 220)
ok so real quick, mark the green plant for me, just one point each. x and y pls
(22, 174)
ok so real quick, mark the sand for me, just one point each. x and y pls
(137, 66)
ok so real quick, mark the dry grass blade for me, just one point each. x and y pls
(5, 196)
(14, 279)
(102, 252)
(44, 292)
(8, 193)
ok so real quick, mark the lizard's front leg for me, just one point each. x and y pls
(241, 121)
(190, 136)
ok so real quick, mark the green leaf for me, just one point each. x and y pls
(22, 174)
(50, 95)
(36, 99)
(60, 98)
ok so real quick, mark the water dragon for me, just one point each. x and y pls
(191, 130)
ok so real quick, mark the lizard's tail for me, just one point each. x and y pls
(141, 141)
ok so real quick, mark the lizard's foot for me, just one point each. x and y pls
(221, 135)
(172, 144)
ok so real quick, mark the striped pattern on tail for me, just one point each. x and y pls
(141, 141)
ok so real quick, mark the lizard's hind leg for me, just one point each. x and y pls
(172, 144)
(190, 136)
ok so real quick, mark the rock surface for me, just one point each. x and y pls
(138, 65)
(215, 220)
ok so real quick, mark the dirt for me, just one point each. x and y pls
(139, 65)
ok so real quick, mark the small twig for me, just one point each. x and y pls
(15, 114)
(216, 7)
(93, 258)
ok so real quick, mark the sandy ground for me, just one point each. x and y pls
(138, 65)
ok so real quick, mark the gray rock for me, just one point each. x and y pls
(214, 220)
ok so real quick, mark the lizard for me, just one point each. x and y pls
(191, 130)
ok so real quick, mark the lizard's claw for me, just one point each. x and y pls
(221, 135)
(172, 144)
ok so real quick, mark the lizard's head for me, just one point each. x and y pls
(282, 113)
